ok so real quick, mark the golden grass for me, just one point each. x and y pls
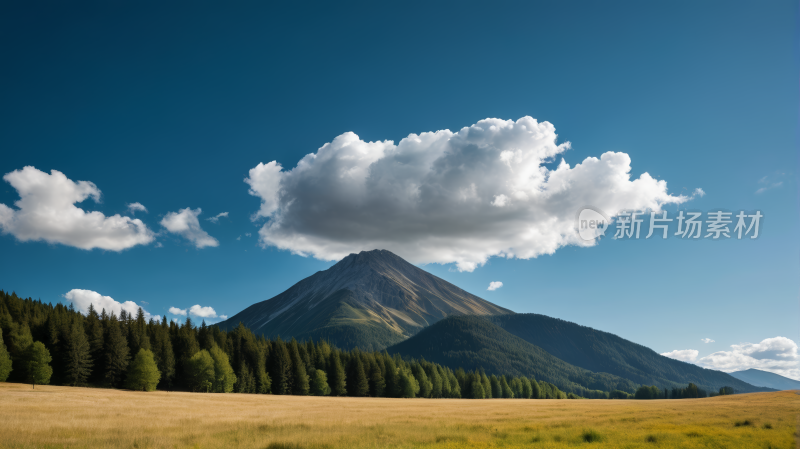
(55, 417)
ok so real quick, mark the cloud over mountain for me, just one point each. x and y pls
(46, 211)
(778, 355)
(444, 197)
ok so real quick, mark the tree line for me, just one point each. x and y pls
(691, 391)
(44, 343)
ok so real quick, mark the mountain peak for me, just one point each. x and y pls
(375, 293)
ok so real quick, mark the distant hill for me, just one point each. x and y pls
(600, 351)
(473, 342)
(766, 379)
(368, 300)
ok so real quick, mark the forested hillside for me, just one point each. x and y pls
(475, 342)
(599, 351)
(44, 343)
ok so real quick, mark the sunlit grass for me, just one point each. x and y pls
(60, 417)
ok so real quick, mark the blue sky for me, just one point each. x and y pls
(172, 105)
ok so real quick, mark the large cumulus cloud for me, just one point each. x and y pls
(46, 211)
(778, 355)
(444, 197)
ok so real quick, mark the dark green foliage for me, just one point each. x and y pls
(357, 383)
(5, 360)
(336, 376)
(319, 383)
(603, 352)
(377, 384)
(591, 436)
(280, 368)
(224, 377)
(37, 364)
(299, 377)
(724, 391)
(143, 372)
(116, 354)
(77, 356)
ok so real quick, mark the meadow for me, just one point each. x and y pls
(61, 417)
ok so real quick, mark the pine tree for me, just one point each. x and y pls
(77, 361)
(392, 383)
(224, 378)
(477, 389)
(358, 385)
(245, 381)
(536, 392)
(527, 390)
(5, 360)
(200, 371)
(377, 385)
(143, 372)
(497, 389)
(425, 385)
(280, 368)
(409, 387)
(487, 386)
(336, 376)
(299, 377)
(37, 360)
(94, 331)
(163, 354)
(507, 393)
(116, 353)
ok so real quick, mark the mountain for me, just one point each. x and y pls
(600, 351)
(472, 343)
(369, 300)
(766, 379)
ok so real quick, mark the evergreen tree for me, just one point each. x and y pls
(224, 378)
(200, 371)
(117, 354)
(425, 385)
(507, 393)
(5, 360)
(77, 361)
(319, 383)
(358, 385)
(163, 353)
(245, 381)
(336, 375)
(94, 332)
(477, 389)
(377, 385)
(536, 392)
(299, 377)
(436, 380)
(527, 389)
(487, 386)
(280, 368)
(409, 387)
(391, 378)
(497, 389)
(143, 372)
(37, 360)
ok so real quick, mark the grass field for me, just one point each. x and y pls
(53, 417)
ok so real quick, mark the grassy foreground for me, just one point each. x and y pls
(51, 417)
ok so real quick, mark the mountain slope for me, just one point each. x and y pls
(473, 343)
(371, 300)
(766, 379)
(604, 352)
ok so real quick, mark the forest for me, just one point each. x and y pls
(55, 344)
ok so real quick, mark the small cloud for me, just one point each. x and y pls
(239, 238)
(770, 182)
(144, 303)
(247, 234)
(158, 245)
(202, 312)
(494, 286)
(500, 200)
(684, 355)
(196, 311)
(223, 317)
(81, 299)
(215, 218)
(136, 207)
(707, 340)
(699, 192)
(177, 311)
(185, 224)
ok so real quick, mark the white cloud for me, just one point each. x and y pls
(177, 311)
(443, 197)
(707, 340)
(196, 311)
(778, 355)
(46, 211)
(185, 224)
(202, 312)
(134, 207)
(239, 238)
(82, 298)
(494, 285)
(247, 234)
(699, 192)
(770, 182)
(223, 317)
(685, 355)
(215, 218)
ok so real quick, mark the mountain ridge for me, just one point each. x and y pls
(766, 379)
